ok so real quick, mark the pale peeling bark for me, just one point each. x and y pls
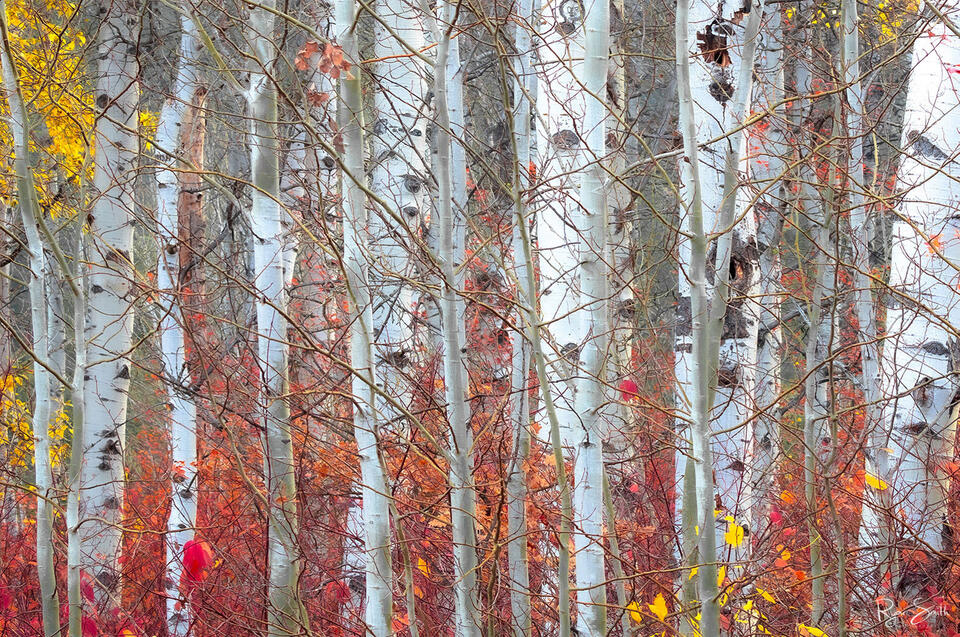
(915, 432)
(451, 211)
(590, 400)
(375, 513)
(42, 408)
(179, 129)
(109, 321)
(398, 174)
(285, 613)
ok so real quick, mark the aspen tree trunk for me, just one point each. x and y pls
(520, 605)
(179, 129)
(920, 349)
(29, 212)
(284, 614)
(109, 321)
(378, 608)
(74, 556)
(452, 205)
(398, 175)
(561, 103)
(767, 167)
(715, 341)
(590, 401)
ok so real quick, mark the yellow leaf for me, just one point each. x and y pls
(734, 535)
(812, 631)
(721, 575)
(659, 607)
(634, 609)
(422, 566)
(874, 482)
(766, 595)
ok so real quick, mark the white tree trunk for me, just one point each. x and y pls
(72, 518)
(590, 400)
(452, 208)
(109, 321)
(767, 167)
(523, 95)
(398, 178)
(29, 212)
(378, 608)
(715, 341)
(173, 134)
(915, 436)
(284, 613)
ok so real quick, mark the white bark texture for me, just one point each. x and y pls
(591, 403)
(451, 212)
(284, 613)
(716, 340)
(375, 513)
(720, 81)
(173, 135)
(109, 321)
(915, 436)
(523, 95)
(42, 411)
(398, 177)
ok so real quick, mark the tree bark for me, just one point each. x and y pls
(109, 321)
(285, 614)
(42, 412)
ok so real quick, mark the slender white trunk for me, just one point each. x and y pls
(173, 133)
(378, 608)
(109, 321)
(716, 338)
(284, 613)
(74, 556)
(767, 167)
(452, 207)
(590, 401)
(914, 436)
(523, 96)
(29, 212)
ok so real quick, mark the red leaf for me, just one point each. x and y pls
(628, 389)
(776, 517)
(633, 487)
(88, 628)
(86, 586)
(197, 556)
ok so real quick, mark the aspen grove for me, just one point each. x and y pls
(479, 318)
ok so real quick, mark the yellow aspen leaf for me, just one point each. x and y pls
(766, 595)
(788, 497)
(635, 614)
(721, 575)
(811, 631)
(734, 535)
(422, 566)
(659, 607)
(693, 572)
(874, 481)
